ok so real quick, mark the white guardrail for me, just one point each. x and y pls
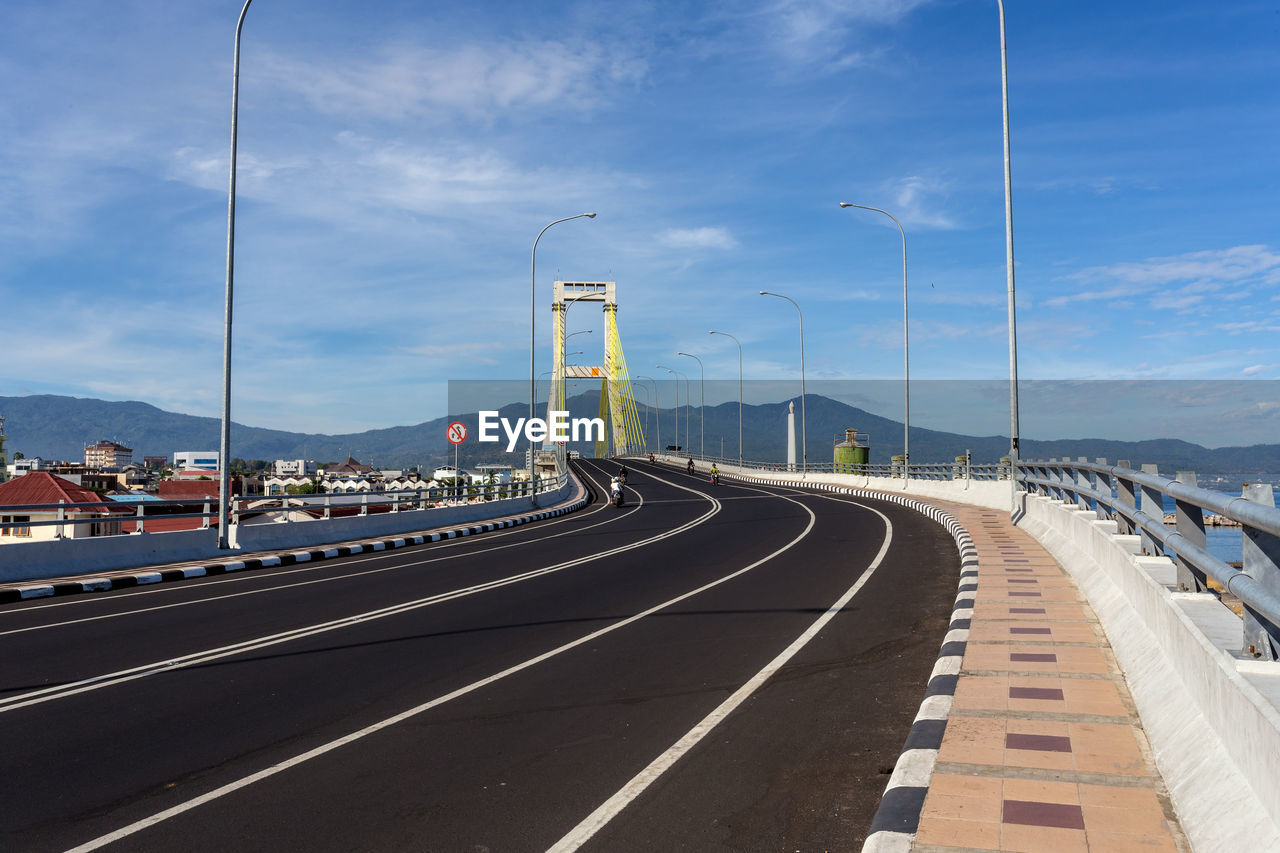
(95, 537)
(1206, 689)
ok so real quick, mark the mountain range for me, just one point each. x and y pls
(58, 427)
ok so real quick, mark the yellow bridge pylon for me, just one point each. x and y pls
(623, 433)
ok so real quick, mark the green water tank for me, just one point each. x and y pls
(853, 453)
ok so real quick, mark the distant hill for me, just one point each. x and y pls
(57, 427)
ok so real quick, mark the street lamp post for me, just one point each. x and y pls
(676, 409)
(657, 412)
(804, 435)
(906, 350)
(686, 411)
(646, 414)
(533, 279)
(702, 404)
(1008, 244)
(224, 442)
(739, 343)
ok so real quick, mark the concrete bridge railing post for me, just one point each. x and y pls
(1153, 506)
(1084, 485)
(1262, 563)
(1128, 496)
(1190, 522)
(1053, 475)
(1103, 483)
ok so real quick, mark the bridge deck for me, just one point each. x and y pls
(1043, 749)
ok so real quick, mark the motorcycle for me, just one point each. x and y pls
(622, 476)
(651, 458)
(715, 478)
(617, 498)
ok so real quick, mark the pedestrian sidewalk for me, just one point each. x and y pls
(1043, 749)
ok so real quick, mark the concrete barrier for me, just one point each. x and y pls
(993, 494)
(55, 558)
(1211, 717)
(303, 534)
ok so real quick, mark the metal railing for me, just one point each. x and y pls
(1134, 500)
(958, 470)
(133, 517)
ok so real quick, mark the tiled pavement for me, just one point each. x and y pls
(1043, 749)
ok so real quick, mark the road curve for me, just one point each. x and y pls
(709, 668)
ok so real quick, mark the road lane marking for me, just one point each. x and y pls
(611, 807)
(543, 524)
(309, 569)
(97, 682)
(287, 764)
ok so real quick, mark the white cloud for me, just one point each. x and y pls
(817, 31)
(698, 238)
(476, 80)
(1179, 281)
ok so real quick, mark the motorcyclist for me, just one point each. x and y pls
(622, 473)
(690, 464)
(651, 457)
(615, 489)
(715, 473)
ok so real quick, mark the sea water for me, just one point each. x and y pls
(1225, 543)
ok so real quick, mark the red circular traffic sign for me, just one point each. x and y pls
(457, 432)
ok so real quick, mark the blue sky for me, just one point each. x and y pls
(396, 164)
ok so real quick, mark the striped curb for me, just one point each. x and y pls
(897, 818)
(145, 577)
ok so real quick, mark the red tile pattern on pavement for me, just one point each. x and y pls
(1043, 750)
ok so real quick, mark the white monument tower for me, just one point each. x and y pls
(791, 436)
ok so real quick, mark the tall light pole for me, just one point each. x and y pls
(677, 406)
(657, 412)
(646, 414)
(1008, 255)
(804, 436)
(702, 404)
(739, 343)
(224, 442)
(906, 349)
(533, 280)
(686, 410)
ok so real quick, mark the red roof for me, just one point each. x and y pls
(351, 466)
(41, 487)
(177, 490)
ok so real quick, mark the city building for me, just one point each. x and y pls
(349, 468)
(155, 462)
(206, 459)
(278, 485)
(295, 467)
(18, 467)
(448, 472)
(40, 488)
(502, 472)
(107, 454)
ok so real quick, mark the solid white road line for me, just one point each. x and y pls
(230, 567)
(611, 807)
(312, 569)
(232, 787)
(48, 694)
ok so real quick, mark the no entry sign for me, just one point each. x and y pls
(457, 433)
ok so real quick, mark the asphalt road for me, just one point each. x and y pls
(706, 668)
